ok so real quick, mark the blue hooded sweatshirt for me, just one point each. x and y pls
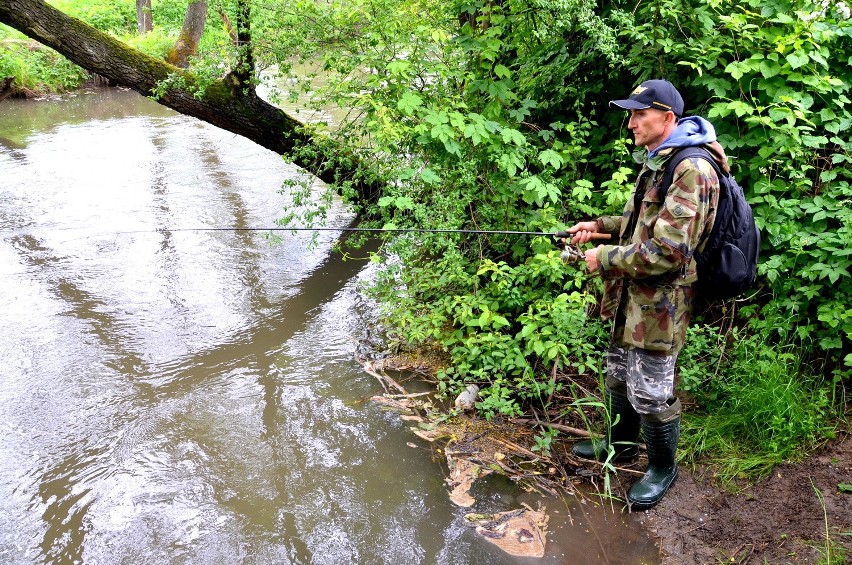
(690, 131)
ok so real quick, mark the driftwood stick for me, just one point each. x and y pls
(370, 368)
(561, 427)
(522, 450)
(409, 395)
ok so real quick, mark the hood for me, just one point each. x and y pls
(692, 131)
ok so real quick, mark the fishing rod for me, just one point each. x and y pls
(373, 230)
(556, 235)
(569, 254)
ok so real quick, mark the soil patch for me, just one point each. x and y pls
(781, 519)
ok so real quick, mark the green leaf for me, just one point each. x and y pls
(797, 59)
(815, 141)
(404, 203)
(429, 176)
(534, 189)
(735, 69)
(740, 108)
(408, 103)
(510, 162)
(502, 71)
(582, 190)
(501, 90)
(511, 135)
(398, 68)
(483, 319)
(552, 158)
(769, 68)
(827, 176)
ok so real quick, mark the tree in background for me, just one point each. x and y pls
(190, 34)
(144, 22)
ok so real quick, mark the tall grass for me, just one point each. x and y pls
(756, 406)
(37, 69)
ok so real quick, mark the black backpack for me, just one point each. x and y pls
(727, 264)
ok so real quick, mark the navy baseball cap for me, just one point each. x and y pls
(660, 94)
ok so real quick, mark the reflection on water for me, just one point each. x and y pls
(191, 396)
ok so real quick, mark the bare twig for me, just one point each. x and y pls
(371, 369)
(561, 427)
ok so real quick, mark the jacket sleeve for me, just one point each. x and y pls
(667, 232)
(609, 224)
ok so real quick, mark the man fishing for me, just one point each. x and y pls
(649, 274)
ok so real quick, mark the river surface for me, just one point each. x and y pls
(192, 396)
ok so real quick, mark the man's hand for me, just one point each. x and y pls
(592, 259)
(583, 232)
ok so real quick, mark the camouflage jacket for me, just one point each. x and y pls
(649, 274)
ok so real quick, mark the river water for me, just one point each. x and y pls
(192, 396)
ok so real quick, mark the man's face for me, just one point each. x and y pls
(650, 126)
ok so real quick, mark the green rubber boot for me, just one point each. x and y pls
(661, 439)
(623, 435)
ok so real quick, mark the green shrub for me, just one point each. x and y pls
(156, 43)
(114, 16)
(168, 13)
(494, 116)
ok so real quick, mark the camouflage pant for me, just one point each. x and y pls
(647, 379)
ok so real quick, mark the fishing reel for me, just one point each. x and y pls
(571, 254)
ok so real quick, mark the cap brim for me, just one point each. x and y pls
(628, 104)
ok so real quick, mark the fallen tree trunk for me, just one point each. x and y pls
(228, 103)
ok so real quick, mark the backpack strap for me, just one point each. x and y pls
(676, 159)
(679, 156)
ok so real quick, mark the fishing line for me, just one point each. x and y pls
(373, 230)
(555, 235)
(323, 229)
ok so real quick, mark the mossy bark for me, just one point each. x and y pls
(228, 103)
(190, 34)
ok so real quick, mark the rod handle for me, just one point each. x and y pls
(595, 235)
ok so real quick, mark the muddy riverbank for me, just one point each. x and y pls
(801, 513)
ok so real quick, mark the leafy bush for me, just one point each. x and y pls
(156, 42)
(168, 13)
(116, 16)
(774, 77)
(494, 116)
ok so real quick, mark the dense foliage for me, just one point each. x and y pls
(493, 116)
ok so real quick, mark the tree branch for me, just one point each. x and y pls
(224, 103)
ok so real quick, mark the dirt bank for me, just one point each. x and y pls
(781, 519)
